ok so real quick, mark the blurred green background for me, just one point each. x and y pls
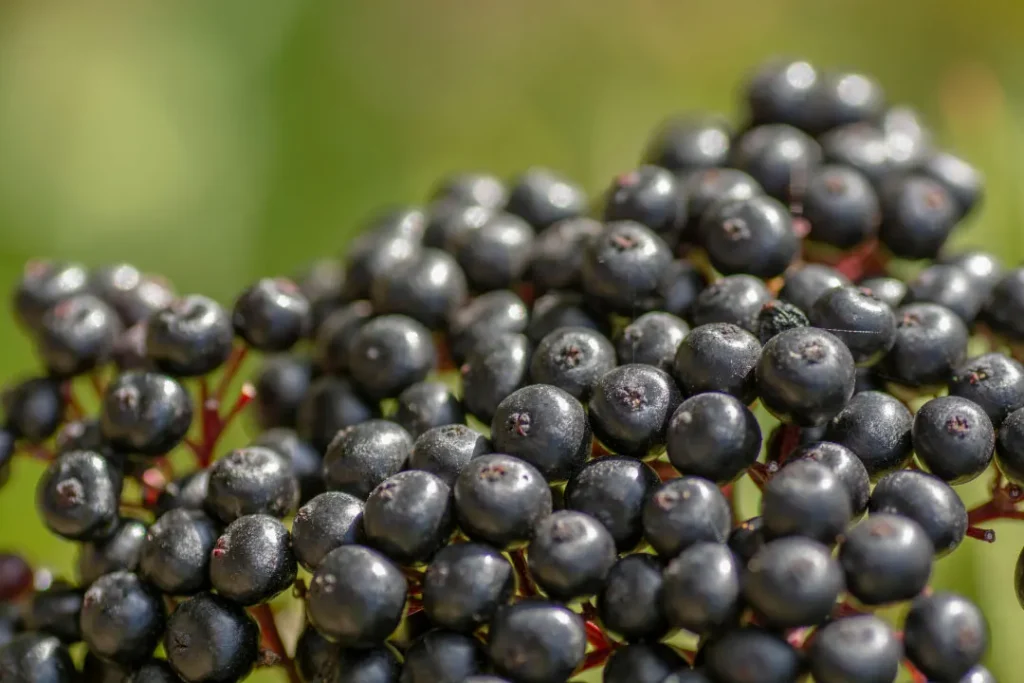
(218, 141)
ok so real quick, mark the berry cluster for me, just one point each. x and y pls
(566, 499)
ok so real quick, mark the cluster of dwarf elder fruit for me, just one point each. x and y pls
(564, 502)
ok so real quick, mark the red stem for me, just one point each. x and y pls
(665, 470)
(1002, 504)
(231, 367)
(593, 660)
(272, 640)
(74, 408)
(98, 385)
(526, 585)
(41, 453)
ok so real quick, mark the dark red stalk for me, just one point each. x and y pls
(272, 640)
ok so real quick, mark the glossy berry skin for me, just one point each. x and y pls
(734, 299)
(613, 490)
(712, 186)
(493, 371)
(774, 155)
(500, 499)
(954, 438)
(145, 413)
(356, 597)
(717, 357)
(993, 381)
(866, 324)
(803, 285)
(536, 642)
(572, 359)
(331, 405)
(652, 196)
(176, 551)
(887, 558)
(642, 663)
(55, 611)
(651, 339)
(389, 354)
(857, 649)
(34, 409)
(251, 481)
(689, 143)
(753, 236)
(984, 268)
(557, 309)
(544, 426)
(863, 149)
(749, 655)
(281, 385)
(272, 315)
(497, 254)
(570, 554)
(680, 285)
(769, 586)
(444, 451)
(334, 335)
(701, 589)
(210, 639)
(775, 317)
(428, 288)
(119, 552)
(847, 467)
(746, 539)
(877, 428)
(805, 376)
(485, 318)
(622, 268)
(362, 456)
(153, 671)
(631, 600)
(76, 335)
(1018, 578)
(43, 285)
(805, 499)
(408, 517)
(964, 183)
(307, 465)
(918, 214)
(36, 658)
(372, 254)
(122, 618)
(631, 407)
(845, 98)
(442, 656)
(78, 496)
(252, 561)
(472, 187)
(1005, 306)
(945, 635)
(888, 289)
(685, 511)
(318, 659)
(131, 293)
(426, 405)
(781, 91)
(927, 500)
(465, 585)
(328, 521)
(948, 286)
(542, 197)
(930, 341)
(713, 436)
(190, 338)
(187, 492)
(322, 282)
(558, 253)
(1010, 447)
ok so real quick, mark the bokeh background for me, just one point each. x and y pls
(218, 141)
